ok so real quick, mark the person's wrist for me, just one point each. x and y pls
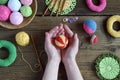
(55, 60)
(68, 60)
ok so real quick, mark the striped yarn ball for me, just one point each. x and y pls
(61, 41)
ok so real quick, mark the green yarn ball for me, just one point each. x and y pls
(26, 11)
(108, 67)
(2, 2)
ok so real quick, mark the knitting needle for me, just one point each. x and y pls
(47, 7)
(63, 5)
(59, 8)
(53, 7)
(33, 43)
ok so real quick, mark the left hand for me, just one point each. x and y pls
(52, 51)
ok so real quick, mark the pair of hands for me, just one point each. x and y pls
(57, 54)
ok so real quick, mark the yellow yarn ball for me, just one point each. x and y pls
(22, 38)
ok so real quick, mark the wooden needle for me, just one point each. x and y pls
(63, 5)
(59, 7)
(47, 7)
(53, 7)
(33, 43)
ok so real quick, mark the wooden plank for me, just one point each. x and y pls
(85, 58)
(82, 9)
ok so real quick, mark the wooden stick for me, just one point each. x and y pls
(63, 5)
(47, 8)
(59, 8)
(36, 52)
(53, 7)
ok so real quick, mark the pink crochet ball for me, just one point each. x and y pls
(16, 18)
(26, 2)
(93, 39)
(89, 26)
(4, 13)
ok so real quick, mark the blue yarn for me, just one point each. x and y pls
(91, 24)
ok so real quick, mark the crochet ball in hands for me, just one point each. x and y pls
(90, 26)
(61, 41)
(22, 38)
(4, 13)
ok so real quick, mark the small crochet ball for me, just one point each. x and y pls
(2, 2)
(93, 39)
(26, 2)
(4, 13)
(90, 26)
(22, 38)
(26, 11)
(61, 41)
(16, 18)
(14, 5)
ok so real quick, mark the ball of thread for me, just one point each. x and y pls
(4, 13)
(22, 38)
(90, 26)
(2, 2)
(93, 39)
(14, 5)
(61, 41)
(26, 11)
(26, 2)
(16, 18)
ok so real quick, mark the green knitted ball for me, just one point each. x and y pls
(2, 2)
(69, 6)
(108, 67)
(26, 11)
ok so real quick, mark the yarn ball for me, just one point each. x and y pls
(93, 39)
(4, 13)
(2, 2)
(26, 11)
(14, 5)
(22, 38)
(90, 26)
(16, 18)
(26, 2)
(61, 41)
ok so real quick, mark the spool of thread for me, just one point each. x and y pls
(93, 39)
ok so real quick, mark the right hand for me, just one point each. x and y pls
(71, 51)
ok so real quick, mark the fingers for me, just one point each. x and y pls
(76, 40)
(68, 31)
(53, 30)
(47, 38)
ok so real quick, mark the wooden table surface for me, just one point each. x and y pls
(86, 55)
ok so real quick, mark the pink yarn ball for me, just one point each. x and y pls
(16, 18)
(26, 2)
(4, 13)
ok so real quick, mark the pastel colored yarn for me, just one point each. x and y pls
(26, 11)
(69, 6)
(89, 26)
(3, 2)
(95, 8)
(108, 67)
(61, 41)
(12, 53)
(26, 2)
(14, 5)
(22, 38)
(110, 23)
(4, 13)
(16, 18)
